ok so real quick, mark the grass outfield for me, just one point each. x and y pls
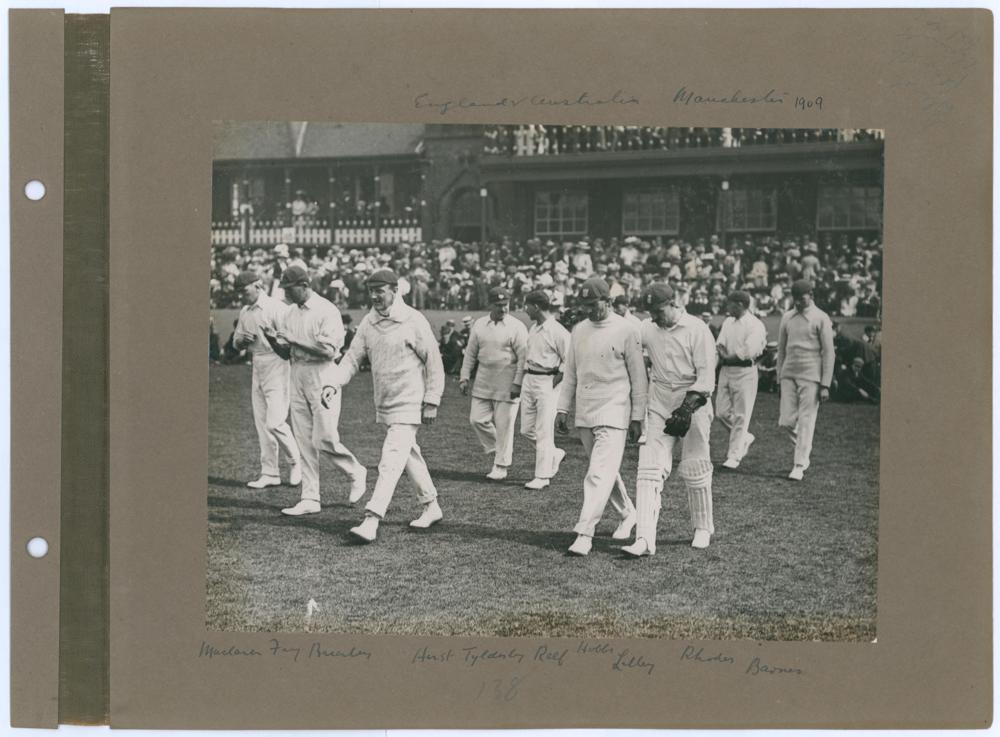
(789, 561)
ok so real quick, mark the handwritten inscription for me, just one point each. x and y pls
(699, 654)
(685, 96)
(276, 649)
(620, 660)
(928, 63)
(754, 667)
(211, 651)
(583, 99)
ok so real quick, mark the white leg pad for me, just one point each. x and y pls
(697, 475)
(647, 507)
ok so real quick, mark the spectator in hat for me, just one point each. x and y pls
(605, 383)
(583, 266)
(270, 380)
(805, 366)
(620, 306)
(545, 358)
(408, 383)
(496, 351)
(740, 342)
(311, 336)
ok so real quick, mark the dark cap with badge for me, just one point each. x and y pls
(499, 295)
(294, 276)
(594, 290)
(657, 295)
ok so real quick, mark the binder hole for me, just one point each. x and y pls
(38, 547)
(34, 190)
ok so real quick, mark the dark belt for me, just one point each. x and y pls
(745, 363)
(550, 372)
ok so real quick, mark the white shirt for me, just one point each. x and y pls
(316, 323)
(744, 338)
(266, 312)
(681, 356)
(548, 344)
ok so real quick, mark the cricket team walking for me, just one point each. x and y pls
(620, 379)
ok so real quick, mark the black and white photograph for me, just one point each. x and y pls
(531, 380)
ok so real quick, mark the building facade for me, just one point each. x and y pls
(321, 183)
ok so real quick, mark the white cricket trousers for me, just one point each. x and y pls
(605, 447)
(799, 407)
(538, 418)
(270, 396)
(734, 402)
(400, 452)
(493, 422)
(315, 428)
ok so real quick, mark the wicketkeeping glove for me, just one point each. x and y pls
(679, 421)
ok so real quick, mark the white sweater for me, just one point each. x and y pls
(405, 359)
(605, 375)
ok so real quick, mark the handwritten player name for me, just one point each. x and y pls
(619, 660)
(684, 96)
(276, 649)
(755, 667)
(423, 100)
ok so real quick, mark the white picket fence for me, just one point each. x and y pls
(347, 233)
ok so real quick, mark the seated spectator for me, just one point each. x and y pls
(767, 368)
(855, 385)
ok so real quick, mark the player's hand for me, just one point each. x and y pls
(634, 430)
(428, 413)
(562, 426)
(824, 394)
(463, 386)
(515, 391)
(556, 379)
(326, 396)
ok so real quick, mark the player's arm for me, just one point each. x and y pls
(827, 354)
(338, 374)
(782, 343)
(520, 348)
(636, 367)
(430, 355)
(329, 338)
(567, 393)
(703, 357)
(561, 346)
(469, 359)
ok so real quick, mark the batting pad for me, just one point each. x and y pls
(647, 509)
(697, 475)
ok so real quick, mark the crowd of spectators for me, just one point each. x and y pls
(452, 275)
(537, 140)
(305, 210)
